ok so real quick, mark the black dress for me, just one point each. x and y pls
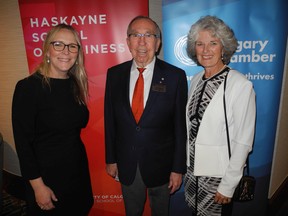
(47, 122)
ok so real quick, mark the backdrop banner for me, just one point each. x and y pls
(261, 29)
(102, 26)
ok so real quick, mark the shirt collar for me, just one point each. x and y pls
(148, 67)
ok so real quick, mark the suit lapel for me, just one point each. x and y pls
(158, 86)
(126, 87)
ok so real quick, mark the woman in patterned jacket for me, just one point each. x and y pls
(211, 176)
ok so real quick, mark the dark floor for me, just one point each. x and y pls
(283, 211)
(12, 206)
(16, 207)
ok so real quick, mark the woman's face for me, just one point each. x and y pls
(62, 61)
(209, 50)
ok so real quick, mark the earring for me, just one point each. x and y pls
(76, 63)
(48, 60)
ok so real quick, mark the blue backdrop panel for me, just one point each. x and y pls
(261, 29)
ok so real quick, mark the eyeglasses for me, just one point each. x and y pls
(60, 46)
(146, 36)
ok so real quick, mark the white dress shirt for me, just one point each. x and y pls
(147, 76)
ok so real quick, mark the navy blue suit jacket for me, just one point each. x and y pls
(158, 142)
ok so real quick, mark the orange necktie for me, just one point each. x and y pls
(138, 96)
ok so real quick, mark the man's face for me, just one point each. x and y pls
(142, 42)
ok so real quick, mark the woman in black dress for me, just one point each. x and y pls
(48, 112)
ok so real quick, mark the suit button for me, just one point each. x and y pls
(138, 128)
(133, 148)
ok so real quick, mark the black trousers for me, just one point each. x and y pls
(227, 209)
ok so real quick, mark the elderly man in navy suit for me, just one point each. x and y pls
(145, 132)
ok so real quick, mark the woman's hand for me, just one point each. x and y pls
(221, 199)
(43, 194)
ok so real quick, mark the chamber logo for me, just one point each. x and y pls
(180, 51)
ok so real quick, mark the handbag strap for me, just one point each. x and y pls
(226, 121)
(227, 128)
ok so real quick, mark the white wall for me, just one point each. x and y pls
(280, 158)
(13, 67)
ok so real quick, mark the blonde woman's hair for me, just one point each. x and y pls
(76, 72)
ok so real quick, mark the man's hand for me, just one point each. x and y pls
(175, 182)
(112, 170)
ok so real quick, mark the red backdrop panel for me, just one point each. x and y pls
(102, 26)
